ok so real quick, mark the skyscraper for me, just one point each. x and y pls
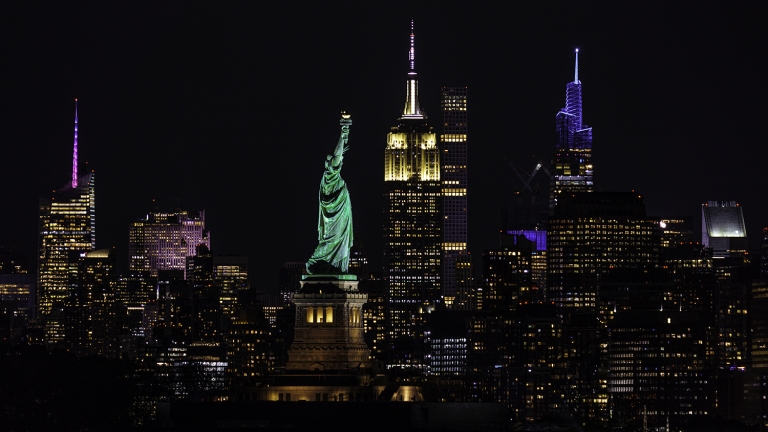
(67, 223)
(412, 224)
(453, 143)
(572, 162)
(723, 229)
(163, 241)
(591, 234)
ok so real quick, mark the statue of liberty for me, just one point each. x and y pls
(334, 224)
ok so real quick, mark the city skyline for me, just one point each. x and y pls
(233, 114)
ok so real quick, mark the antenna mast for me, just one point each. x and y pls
(74, 154)
(576, 74)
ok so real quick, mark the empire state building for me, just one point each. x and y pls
(412, 224)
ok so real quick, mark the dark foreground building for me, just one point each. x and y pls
(267, 416)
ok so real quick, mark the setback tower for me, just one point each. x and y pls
(572, 162)
(67, 224)
(413, 224)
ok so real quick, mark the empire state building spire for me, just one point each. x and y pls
(412, 86)
(74, 154)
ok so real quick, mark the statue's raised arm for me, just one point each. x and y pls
(334, 225)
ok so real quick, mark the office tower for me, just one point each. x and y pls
(536, 363)
(247, 346)
(208, 321)
(17, 291)
(722, 229)
(572, 162)
(453, 143)
(507, 274)
(764, 255)
(163, 241)
(12, 261)
(67, 223)
(488, 343)
(272, 304)
(756, 391)
(590, 234)
(92, 281)
(202, 371)
(538, 238)
(412, 224)
(447, 336)
(466, 292)
(216, 283)
(358, 263)
(657, 368)
(375, 316)
(290, 279)
(230, 275)
(676, 231)
(733, 326)
(174, 306)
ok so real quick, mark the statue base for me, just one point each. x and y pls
(340, 283)
(328, 333)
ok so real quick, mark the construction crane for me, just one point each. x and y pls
(526, 179)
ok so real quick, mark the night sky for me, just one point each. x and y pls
(232, 109)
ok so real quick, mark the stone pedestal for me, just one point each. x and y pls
(328, 333)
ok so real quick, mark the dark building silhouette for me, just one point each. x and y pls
(290, 279)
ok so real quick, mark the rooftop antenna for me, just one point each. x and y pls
(576, 74)
(74, 154)
(412, 52)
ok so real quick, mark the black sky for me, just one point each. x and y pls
(233, 108)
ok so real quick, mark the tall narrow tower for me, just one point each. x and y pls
(572, 162)
(67, 223)
(412, 224)
(453, 143)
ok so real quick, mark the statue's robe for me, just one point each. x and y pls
(334, 225)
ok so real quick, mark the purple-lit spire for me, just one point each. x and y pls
(573, 97)
(74, 154)
(576, 73)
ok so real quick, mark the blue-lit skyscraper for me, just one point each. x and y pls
(572, 162)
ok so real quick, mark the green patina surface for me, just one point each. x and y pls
(346, 277)
(334, 225)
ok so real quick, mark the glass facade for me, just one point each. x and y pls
(67, 223)
(453, 144)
